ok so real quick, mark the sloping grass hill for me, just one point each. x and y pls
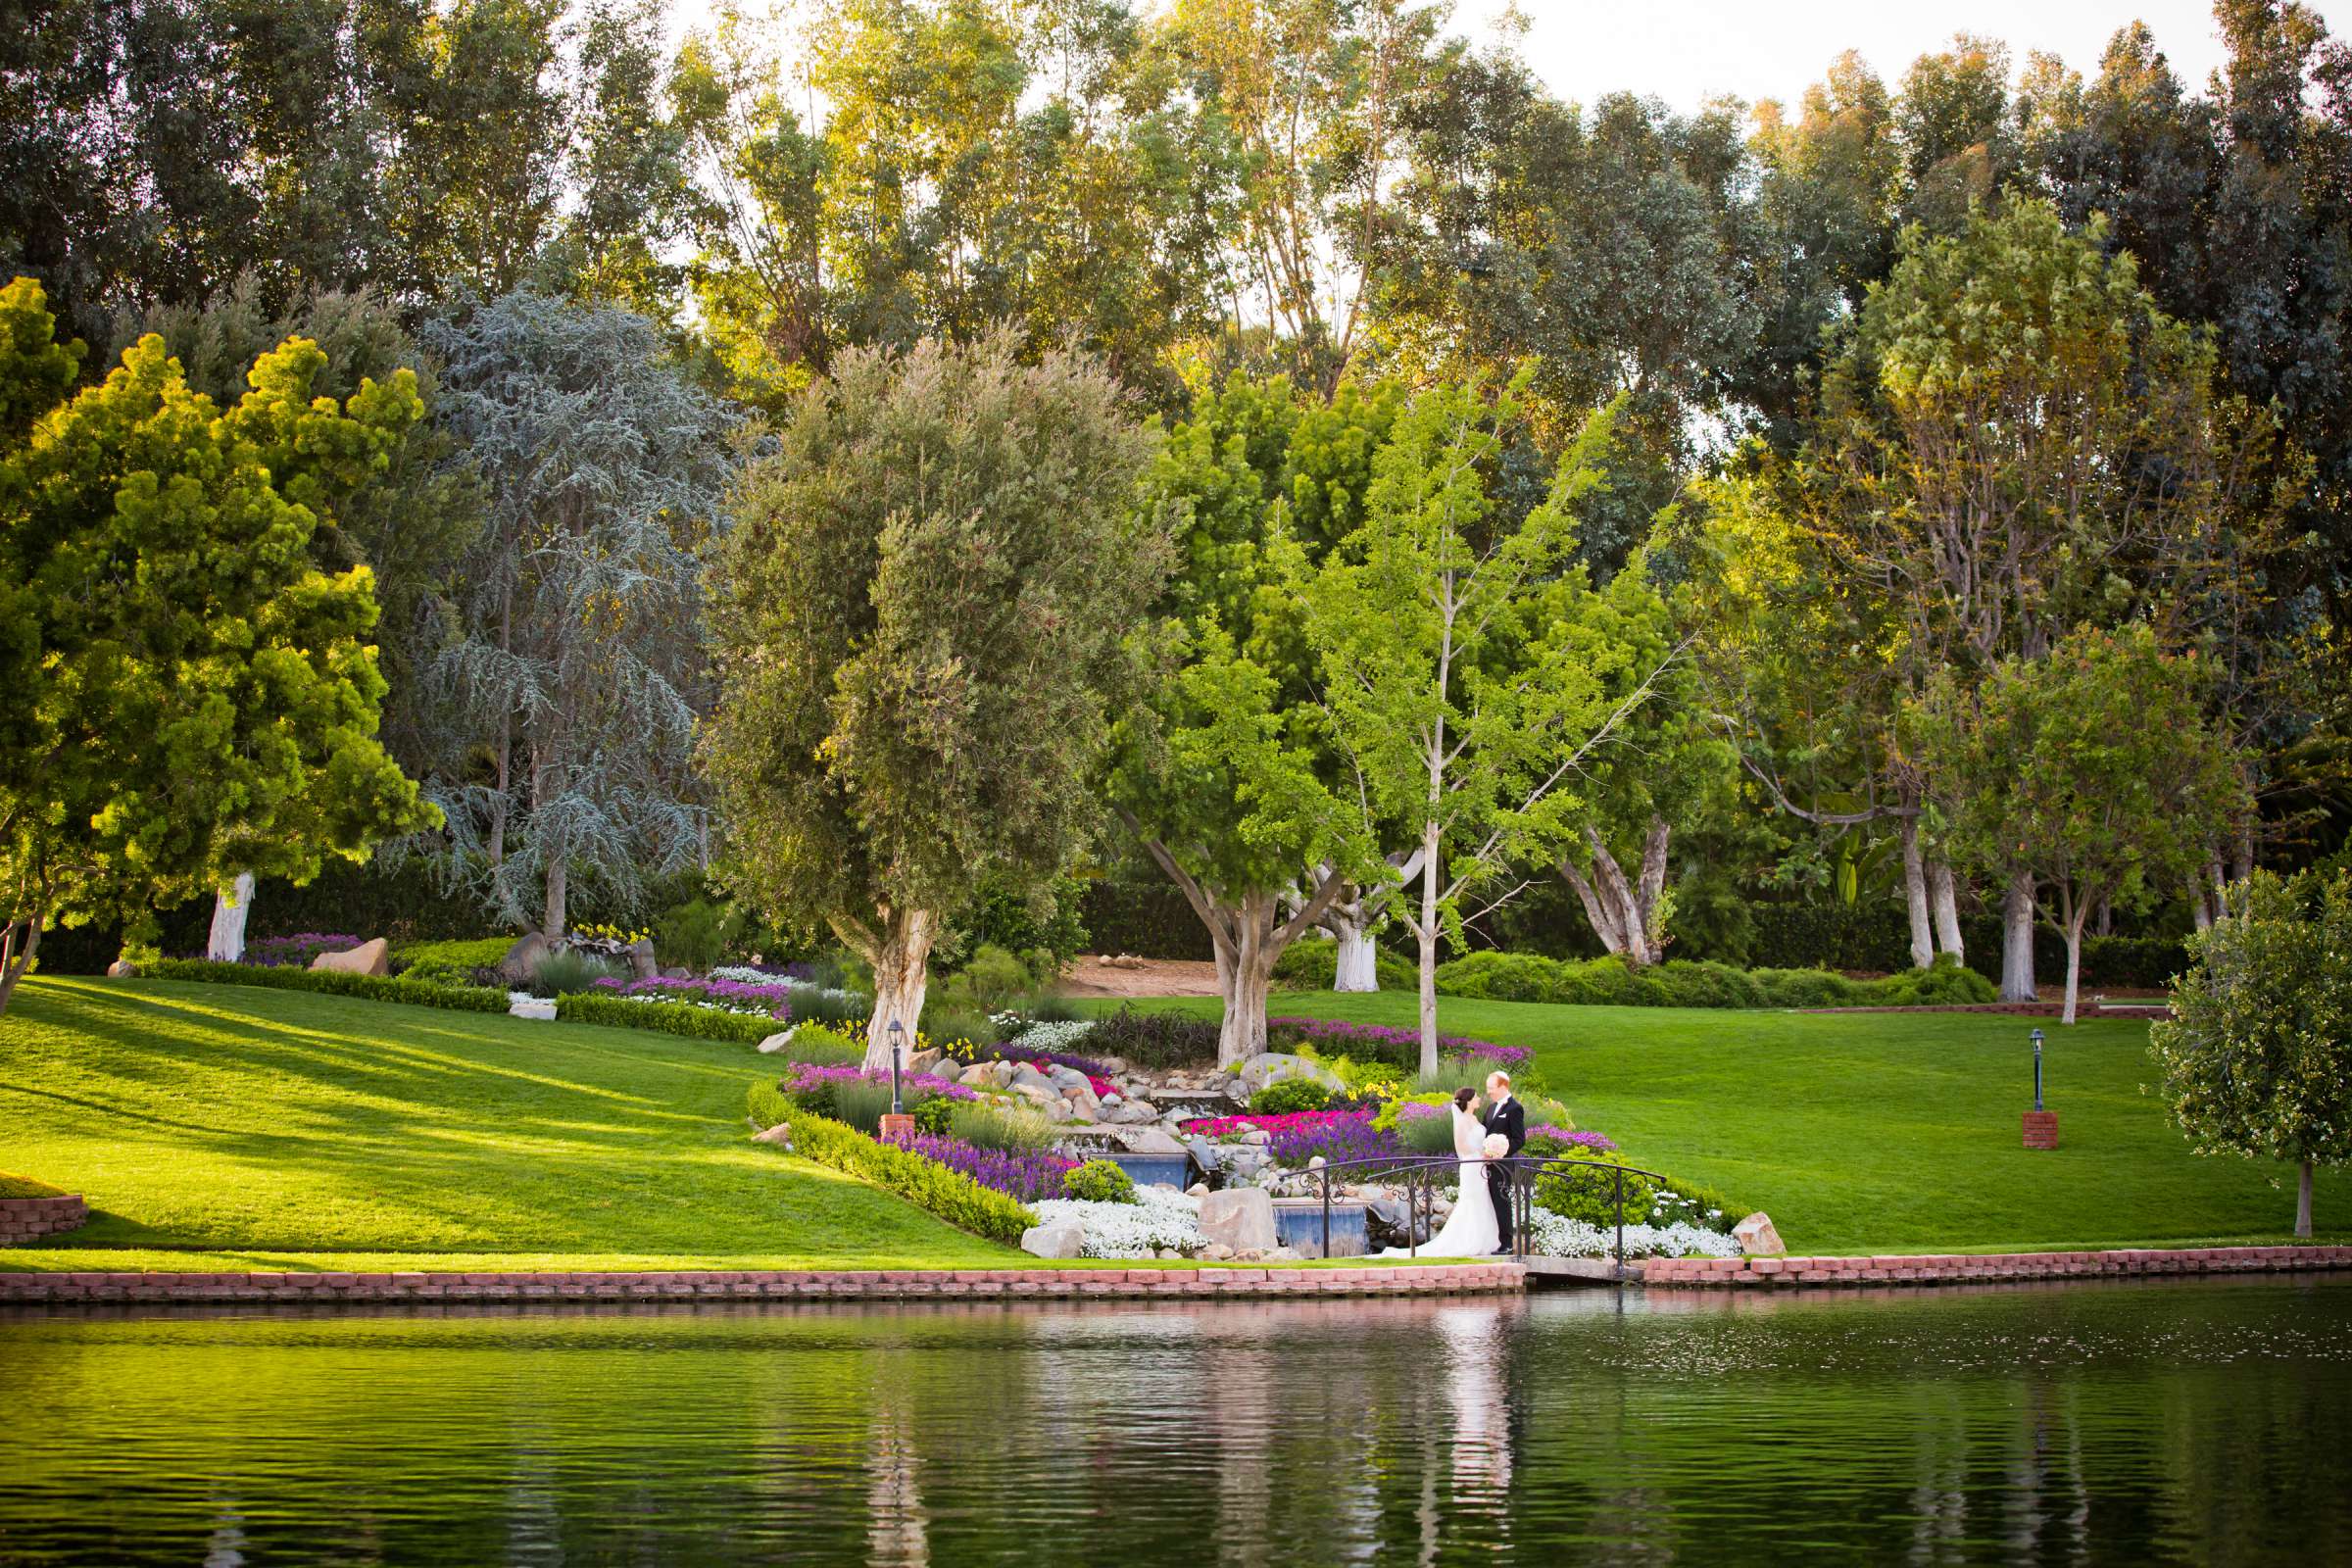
(226, 1127)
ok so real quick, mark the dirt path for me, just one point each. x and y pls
(1089, 976)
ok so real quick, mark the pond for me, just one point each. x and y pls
(2105, 1423)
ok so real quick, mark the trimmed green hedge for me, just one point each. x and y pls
(668, 1018)
(375, 988)
(450, 963)
(925, 1183)
(14, 1186)
(1681, 983)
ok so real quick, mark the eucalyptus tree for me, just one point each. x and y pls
(1465, 662)
(577, 686)
(922, 620)
(189, 694)
(1226, 774)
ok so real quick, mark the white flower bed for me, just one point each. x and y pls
(1160, 1217)
(1558, 1236)
(1054, 1035)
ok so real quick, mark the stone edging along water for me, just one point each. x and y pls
(1961, 1268)
(863, 1285)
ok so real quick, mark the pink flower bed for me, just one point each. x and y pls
(1288, 1122)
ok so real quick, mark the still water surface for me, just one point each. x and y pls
(2175, 1421)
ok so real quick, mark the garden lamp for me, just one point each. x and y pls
(2036, 1067)
(897, 1033)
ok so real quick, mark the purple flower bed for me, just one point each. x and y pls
(1348, 1136)
(1596, 1142)
(1027, 1176)
(1386, 1044)
(300, 948)
(739, 995)
(811, 1081)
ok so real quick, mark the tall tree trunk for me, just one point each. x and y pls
(2106, 925)
(902, 963)
(505, 739)
(2017, 939)
(1915, 897)
(2072, 913)
(553, 925)
(230, 907)
(2243, 855)
(2198, 909)
(20, 945)
(1425, 931)
(2303, 1202)
(1945, 898)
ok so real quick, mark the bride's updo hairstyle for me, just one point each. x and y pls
(1462, 1097)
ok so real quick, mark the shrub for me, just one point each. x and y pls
(1805, 988)
(1681, 983)
(1159, 1040)
(1494, 976)
(1948, 984)
(861, 1102)
(693, 934)
(373, 988)
(1423, 1125)
(947, 1027)
(664, 1017)
(449, 963)
(822, 1087)
(1588, 1192)
(562, 974)
(933, 1115)
(927, 1182)
(990, 1125)
(828, 1005)
(825, 1047)
(1709, 985)
(1099, 1181)
(1291, 1093)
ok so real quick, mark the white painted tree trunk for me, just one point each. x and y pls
(1915, 897)
(2073, 914)
(1944, 896)
(2017, 940)
(902, 974)
(1358, 966)
(1425, 931)
(230, 907)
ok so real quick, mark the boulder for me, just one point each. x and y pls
(1149, 1140)
(775, 1041)
(643, 965)
(122, 969)
(677, 971)
(1061, 1239)
(530, 1006)
(925, 1060)
(780, 1135)
(979, 1075)
(1026, 1078)
(1240, 1218)
(1276, 1066)
(1757, 1238)
(369, 957)
(520, 965)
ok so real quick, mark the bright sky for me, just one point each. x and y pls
(1686, 51)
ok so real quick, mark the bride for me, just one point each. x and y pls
(1471, 1230)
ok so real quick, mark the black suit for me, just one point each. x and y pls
(1509, 1118)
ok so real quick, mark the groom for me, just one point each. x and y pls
(1508, 1117)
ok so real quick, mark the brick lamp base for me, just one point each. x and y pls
(898, 1129)
(2041, 1129)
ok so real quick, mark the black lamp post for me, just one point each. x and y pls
(898, 1032)
(2037, 1069)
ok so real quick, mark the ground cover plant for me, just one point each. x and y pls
(238, 1127)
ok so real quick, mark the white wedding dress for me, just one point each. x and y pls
(1470, 1231)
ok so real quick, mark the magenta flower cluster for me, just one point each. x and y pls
(737, 993)
(1575, 1140)
(1289, 1121)
(1383, 1041)
(1026, 1175)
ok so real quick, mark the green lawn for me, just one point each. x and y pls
(1884, 1132)
(228, 1127)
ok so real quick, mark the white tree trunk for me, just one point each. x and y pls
(1245, 979)
(230, 907)
(1915, 897)
(1623, 912)
(2199, 909)
(2074, 958)
(2303, 1202)
(902, 974)
(1425, 931)
(2017, 940)
(1358, 967)
(558, 880)
(1945, 899)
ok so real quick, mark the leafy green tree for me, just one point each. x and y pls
(190, 695)
(920, 618)
(2256, 1060)
(1465, 662)
(1225, 773)
(2089, 775)
(572, 697)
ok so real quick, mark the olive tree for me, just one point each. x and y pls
(2257, 1056)
(921, 621)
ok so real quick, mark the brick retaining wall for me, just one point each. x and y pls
(1964, 1268)
(24, 1218)
(865, 1284)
